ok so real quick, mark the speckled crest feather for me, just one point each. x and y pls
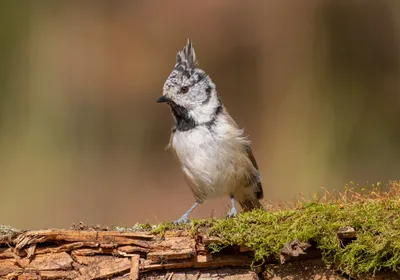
(187, 56)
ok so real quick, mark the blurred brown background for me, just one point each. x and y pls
(315, 84)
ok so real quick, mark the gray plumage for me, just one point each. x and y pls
(215, 156)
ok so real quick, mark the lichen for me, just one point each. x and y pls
(5, 230)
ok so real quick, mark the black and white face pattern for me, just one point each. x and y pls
(190, 92)
(188, 85)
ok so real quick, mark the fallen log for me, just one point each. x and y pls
(175, 254)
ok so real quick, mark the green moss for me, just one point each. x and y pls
(374, 212)
(136, 227)
(374, 216)
(162, 228)
(192, 227)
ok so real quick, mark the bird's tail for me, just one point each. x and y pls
(249, 204)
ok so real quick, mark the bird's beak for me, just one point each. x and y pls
(163, 99)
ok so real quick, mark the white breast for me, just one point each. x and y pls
(209, 159)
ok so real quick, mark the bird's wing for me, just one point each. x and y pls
(259, 190)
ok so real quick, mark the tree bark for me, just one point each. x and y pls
(97, 254)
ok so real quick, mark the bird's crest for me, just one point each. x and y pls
(187, 57)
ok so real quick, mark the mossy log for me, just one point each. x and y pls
(174, 254)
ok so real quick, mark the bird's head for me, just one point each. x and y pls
(189, 89)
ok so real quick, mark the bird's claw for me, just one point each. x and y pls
(182, 220)
(231, 213)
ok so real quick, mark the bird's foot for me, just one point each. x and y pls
(182, 220)
(231, 213)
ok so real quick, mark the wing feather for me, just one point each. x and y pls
(259, 190)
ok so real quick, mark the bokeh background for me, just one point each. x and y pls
(315, 84)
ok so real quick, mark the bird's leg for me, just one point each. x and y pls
(185, 217)
(233, 211)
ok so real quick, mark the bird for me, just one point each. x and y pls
(215, 156)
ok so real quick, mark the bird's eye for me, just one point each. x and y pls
(184, 89)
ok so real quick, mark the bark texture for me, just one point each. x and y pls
(99, 254)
